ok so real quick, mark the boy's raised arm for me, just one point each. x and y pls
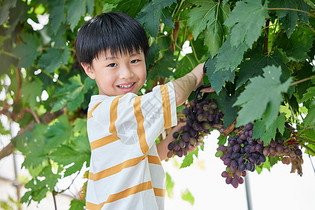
(185, 85)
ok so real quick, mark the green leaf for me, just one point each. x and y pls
(187, 196)
(56, 14)
(246, 20)
(288, 18)
(90, 7)
(266, 135)
(254, 63)
(186, 64)
(151, 13)
(224, 61)
(310, 117)
(28, 50)
(77, 204)
(217, 78)
(225, 104)
(58, 133)
(75, 10)
(209, 17)
(30, 91)
(167, 18)
(71, 94)
(7, 60)
(4, 10)
(124, 6)
(189, 159)
(222, 140)
(299, 44)
(53, 59)
(256, 97)
(161, 67)
(310, 94)
(169, 185)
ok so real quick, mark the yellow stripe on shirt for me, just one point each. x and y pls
(154, 160)
(103, 141)
(140, 128)
(159, 192)
(113, 115)
(89, 115)
(166, 106)
(123, 194)
(116, 169)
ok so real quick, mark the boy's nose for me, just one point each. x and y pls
(125, 72)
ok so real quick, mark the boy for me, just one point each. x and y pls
(125, 168)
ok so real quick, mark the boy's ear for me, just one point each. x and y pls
(88, 70)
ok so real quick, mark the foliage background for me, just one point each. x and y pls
(261, 68)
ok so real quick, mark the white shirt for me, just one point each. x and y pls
(125, 169)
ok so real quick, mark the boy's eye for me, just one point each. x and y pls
(112, 65)
(135, 61)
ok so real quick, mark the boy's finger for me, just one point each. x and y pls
(208, 90)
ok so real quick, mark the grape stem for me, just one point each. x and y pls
(303, 80)
(292, 9)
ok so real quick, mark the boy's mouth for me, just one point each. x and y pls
(125, 87)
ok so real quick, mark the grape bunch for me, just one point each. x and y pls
(241, 154)
(288, 150)
(200, 117)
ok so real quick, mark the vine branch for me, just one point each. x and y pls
(303, 80)
(292, 9)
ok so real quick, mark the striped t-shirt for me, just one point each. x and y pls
(125, 169)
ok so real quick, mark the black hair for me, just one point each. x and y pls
(113, 31)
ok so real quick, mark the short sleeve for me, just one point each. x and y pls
(141, 119)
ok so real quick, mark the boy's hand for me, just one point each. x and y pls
(162, 147)
(199, 74)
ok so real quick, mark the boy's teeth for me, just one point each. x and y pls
(125, 86)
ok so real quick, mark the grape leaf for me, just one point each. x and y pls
(297, 46)
(53, 58)
(186, 64)
(246, 21)
(58, 133)
(75, 10)
(256, 97)
(160, 69)
(71, 93)
(187, 196)
(151, 13)
(27, 51)
(222, 140)
(254, 63)
(224, 61)
(169, 185)
(167, 18)
(225, 104)
(189, 159)
(124, 6)
(310, 117)
(288, 18)
(56, 14)
(217, 78)
(30, 91)
(310, 94)
(209, 17)
(266, 135)
(76, 204)
(90, 7)
(6, 61)
(4, 10)
(32, 145)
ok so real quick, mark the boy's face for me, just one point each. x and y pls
(117, 75)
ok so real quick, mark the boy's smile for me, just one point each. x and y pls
(117, 74)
